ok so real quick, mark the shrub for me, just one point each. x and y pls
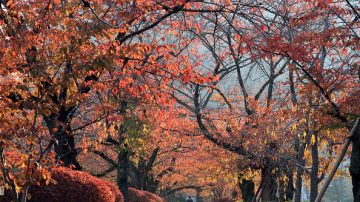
(115, 190)
(225, 200)
(136, 195)
(74, 186)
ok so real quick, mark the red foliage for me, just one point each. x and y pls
(142, 196)
(225, 200)
(75, 186)
(115, 190)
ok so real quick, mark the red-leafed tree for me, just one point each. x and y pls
(276, 84)
(276, 53)
(53, 54)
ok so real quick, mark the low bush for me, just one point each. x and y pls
(225, 200)
(77, 186)
(135, 195)
(74, 186)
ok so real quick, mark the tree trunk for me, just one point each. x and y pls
(247, 189)
(355, 165)
(298, 184)
(59, 126)
(122, 174)
(269, 186)
(300, 147)
(289, 190)
(281, 190)
(134, 176)
(314, 180)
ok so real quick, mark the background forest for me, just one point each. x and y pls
(221, 100)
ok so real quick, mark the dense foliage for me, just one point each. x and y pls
(246, 100)
(73, 186)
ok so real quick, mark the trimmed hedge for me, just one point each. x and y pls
(73, 186)
(225, 200)
(77, 186)
(136, 195)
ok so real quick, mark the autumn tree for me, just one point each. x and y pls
(275, 83)
(58, 51)
(285, 38)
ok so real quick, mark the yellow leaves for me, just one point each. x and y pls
(145, 129)
(293, 127)
(17, 188)
(72, 91)
(22, 165)
(313, 139)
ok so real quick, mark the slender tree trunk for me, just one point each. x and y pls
(281, 188)
(271, 82)
(298, 185)
(355, 165)
(122, 174)
(299, 171)
(289, 190)
(314, 180)
(300, 147)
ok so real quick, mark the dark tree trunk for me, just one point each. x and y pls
(270, 186)
(355, 165)
(289, 190)
(140, 175)
(122, 174)
(247, 189)
(298, 184)
(299, 171)
(314, 180)
(281, 188)
(123, 156)
(59, 126)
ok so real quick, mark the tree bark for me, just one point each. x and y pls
(269, 186)
(314, 179)
(289, 190)
(355, 164)
(298, 185)
(281, 190)
(122, 174)
(59, 126)
(247, 189)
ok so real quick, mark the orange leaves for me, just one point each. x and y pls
(149, 68)
(197, 27)
(138, 50)
(186, 78)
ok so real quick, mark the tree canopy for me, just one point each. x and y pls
(247, 100)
